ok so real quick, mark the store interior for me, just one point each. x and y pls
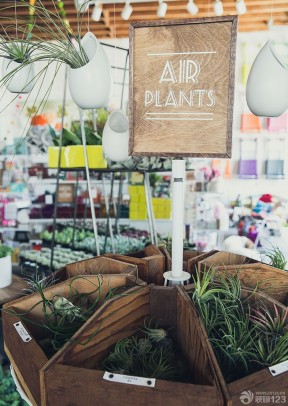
(59, 206)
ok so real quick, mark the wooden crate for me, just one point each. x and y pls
(27, 358)
(74, 377)
(225, 259)
(150, 263)
(253, 274)
(95, 266)
(190, 259)
(261, 381)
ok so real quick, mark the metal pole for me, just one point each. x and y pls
(149, 206)
(109, 225)
(108, 212)
(58, 172)
(93, 214)
(75, 209)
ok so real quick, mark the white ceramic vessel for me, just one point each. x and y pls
(267, 85)
(90, 86)
(22, 79)
(5, 271)
(115, 138)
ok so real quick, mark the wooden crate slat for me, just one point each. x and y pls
(28, 358)
(63, 383)
(152, 301)
(150, 263)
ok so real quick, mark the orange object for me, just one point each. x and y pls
(249, 123)
(227, 173)
(39, 120)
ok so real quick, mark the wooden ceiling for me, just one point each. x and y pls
(112, 25)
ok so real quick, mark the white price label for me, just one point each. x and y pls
(48, 199)
(23, 333)
(130, 380)
(279, 368)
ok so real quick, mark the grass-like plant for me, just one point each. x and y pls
(245, 338)
(277, 258)
(63, 316)
(153, 355)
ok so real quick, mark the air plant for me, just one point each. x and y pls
(155, 356)
(277, 258)
(62, 315)
(244, 339)
(270, 323)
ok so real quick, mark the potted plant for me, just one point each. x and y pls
(247, 332)
(72, 151)
(89, 71)
(5, 266)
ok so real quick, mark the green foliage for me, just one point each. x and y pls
(277, 258)
(8, 394)
(244, 339)
(4, 251)
(62, 316)
(153, 356)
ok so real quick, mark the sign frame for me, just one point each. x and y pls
(230, 88)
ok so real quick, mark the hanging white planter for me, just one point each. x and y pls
(22, 78)
(5, 271)
(267, 85)
(90, 86)
(115, 138)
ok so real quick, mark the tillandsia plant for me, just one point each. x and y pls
(277, 258)
(152, 355)
(245, 337)
(63, 315)
(61, 45)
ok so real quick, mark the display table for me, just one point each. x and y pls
(13, 291)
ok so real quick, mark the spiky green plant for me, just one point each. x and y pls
(277, 258)
(153, 356)
(63, 316)
(244, 339)
(270, 322)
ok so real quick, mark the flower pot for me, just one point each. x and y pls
(267, 85)
(73, 157)
(5, 271)
(90, 86)
(21, 80)
(115, 137)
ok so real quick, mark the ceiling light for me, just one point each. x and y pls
(241, 7)
(218, 7)
(97, 12)
(162, 8)
(127, 11)
(192, 8)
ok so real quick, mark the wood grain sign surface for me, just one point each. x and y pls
(182, 87)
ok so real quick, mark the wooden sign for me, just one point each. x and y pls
(66, 193)
(182, 87)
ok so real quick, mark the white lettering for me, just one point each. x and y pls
(171, 100)
(183, 98)
(211, 96)
(168, 74)
(192, 71)
(149, 97)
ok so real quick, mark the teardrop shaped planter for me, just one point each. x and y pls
(22, 77)
(115, 138)
(267, 85)
(6, 271)
(90, 86)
